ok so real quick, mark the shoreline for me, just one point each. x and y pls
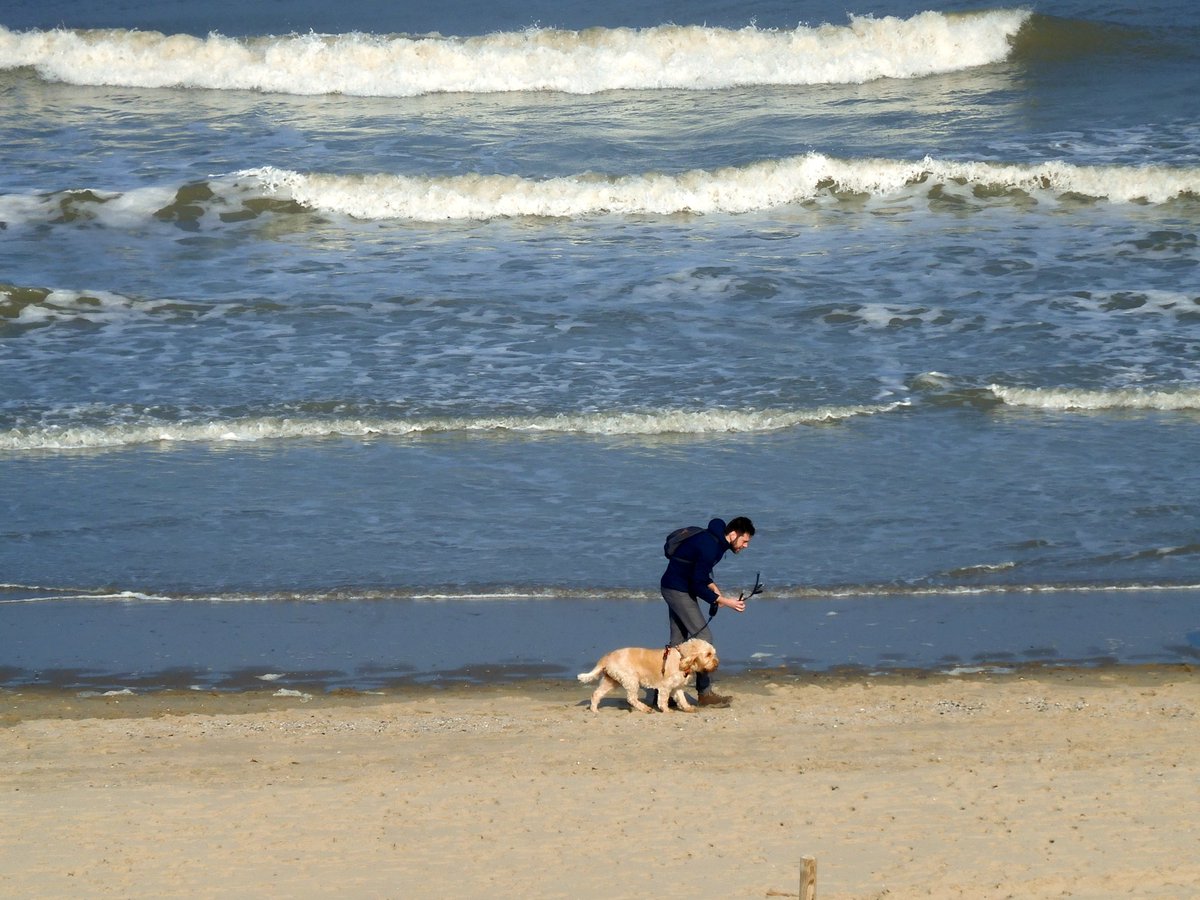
(1050, 782)
(38, 701)
(372, 645)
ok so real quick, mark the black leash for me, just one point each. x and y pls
(714, 608)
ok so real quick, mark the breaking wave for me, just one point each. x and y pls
(761, 185)
(536, 59)
(1178, 399)
(29, 594)
(268, 428)
(757, 186)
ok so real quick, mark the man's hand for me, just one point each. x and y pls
(735, 603)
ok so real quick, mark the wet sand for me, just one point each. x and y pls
(1041, 783)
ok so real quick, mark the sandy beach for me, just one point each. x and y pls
(1043, 783)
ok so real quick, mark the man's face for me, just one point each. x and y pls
(739, 542)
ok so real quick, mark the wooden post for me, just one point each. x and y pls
(808, 878)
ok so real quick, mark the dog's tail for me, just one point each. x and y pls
(585, 677)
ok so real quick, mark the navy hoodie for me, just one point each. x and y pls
(690, 569)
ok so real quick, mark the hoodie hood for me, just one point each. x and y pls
(716, 528)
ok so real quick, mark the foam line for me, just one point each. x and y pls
(536, 59)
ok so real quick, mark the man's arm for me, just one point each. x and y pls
(736, 603)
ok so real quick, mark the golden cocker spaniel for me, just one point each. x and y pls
(663, 671)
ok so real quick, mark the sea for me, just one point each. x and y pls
(346, 346)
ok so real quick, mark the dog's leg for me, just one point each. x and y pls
(606, 684)
(664, 698)
(631, 685)
(681, 701)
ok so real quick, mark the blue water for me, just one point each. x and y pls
(394, 338)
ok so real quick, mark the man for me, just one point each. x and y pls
(688, 580)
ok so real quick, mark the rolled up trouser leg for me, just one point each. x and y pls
(687, 622)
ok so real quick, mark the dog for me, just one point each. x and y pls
(664, 671)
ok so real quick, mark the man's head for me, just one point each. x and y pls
(738, 533)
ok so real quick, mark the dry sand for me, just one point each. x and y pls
(1048, 783)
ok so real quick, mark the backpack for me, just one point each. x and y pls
(677, 537)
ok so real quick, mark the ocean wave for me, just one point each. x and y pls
(568, 593)
(856, 591)
(1176, 399)
(1054, 39)
(273, 428)
(56, 595)
(31, 307)
(755, 186)
(578, 62)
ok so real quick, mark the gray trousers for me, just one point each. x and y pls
(687, 622)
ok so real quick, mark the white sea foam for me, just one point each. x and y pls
(123, 596)
(755, 186)
(581, 62)
(572, 593)
(1183, 398)
(981, 569)
(97, 307)
(114, 209)
(761, 185)
(288, 692)
(664, 422)
(979, 670)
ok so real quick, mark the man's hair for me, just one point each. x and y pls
(740, 525)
